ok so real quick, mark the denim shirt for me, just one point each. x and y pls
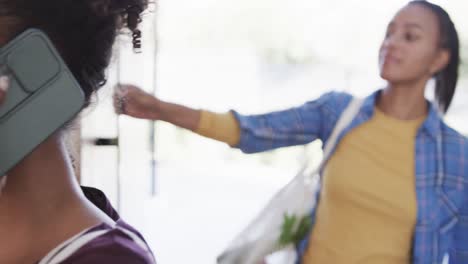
(441, 163)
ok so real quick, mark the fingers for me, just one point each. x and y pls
(3, 181)
(119, 102)
(4, 85)
(123, 94)
(120, 97)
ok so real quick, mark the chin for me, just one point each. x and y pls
(385, 76)
(391, 77)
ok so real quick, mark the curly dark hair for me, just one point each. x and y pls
(84, 31)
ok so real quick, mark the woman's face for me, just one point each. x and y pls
(410, 51)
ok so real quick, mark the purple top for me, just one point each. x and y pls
(114, 246)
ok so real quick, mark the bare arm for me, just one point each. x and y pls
(132, 101)
(180, 115)
(250, 133)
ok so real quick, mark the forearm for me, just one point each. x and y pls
(179, 115)
(218, 126)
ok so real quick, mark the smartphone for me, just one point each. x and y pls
(42, 97)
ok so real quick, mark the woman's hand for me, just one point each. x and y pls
(132, 101)
(3, 181)
(4, 85)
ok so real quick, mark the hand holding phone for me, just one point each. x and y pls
(42, 96)
(4, 84)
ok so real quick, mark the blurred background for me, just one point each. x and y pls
(189, 195)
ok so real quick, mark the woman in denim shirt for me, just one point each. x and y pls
(394, 189)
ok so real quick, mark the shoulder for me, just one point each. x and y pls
(113, 247)
(332, 104)
(452, 136)
(456, 149)
(333, 99)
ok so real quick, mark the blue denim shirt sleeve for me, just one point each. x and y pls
(459, 249)
(295, 126)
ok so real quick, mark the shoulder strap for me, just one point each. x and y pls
(345, 119)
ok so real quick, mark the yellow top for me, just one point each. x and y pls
(367, 209)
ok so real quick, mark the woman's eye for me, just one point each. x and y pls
(411, 37)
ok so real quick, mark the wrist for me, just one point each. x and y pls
(158, 109)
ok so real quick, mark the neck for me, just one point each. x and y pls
(44, 179)
(42, 199)
(404, 101)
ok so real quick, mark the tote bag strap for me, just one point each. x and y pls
(345, 119)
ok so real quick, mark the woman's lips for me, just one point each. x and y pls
(390, 58)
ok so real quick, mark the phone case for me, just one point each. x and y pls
(43, 96)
